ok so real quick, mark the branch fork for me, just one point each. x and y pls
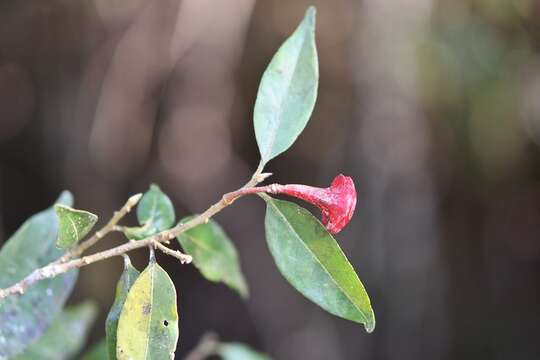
(72, 260)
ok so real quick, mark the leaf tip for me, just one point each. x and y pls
(311, 14)
(243, 290)
(369, 324)
(65, 198)
(154, 187)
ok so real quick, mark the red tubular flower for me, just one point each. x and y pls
(336, 202)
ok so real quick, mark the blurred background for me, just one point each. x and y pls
(433, 106)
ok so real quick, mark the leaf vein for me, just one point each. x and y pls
(288, 224)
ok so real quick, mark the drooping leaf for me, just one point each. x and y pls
(65, 337)
(97, 352)
(155, 213)
(148, 325)
(214, 255)
(24, 318)
(311, 260)
(288, 91)
(127, 279)
(238, 351)
(73, 225)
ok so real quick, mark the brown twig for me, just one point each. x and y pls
(184, 258)
(233, 195)
(60, 267)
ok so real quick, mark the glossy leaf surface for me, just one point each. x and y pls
(127, 279)
(24, 318)
(65, 337)
(148, 325)
(287, 91)
(155, 213)
(311, 260)
(73, 225)
(214, 255)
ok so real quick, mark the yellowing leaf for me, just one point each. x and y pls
(127, 279)
(148, 325)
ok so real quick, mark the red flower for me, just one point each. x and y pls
(336, 202)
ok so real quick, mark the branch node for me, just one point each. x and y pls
(184, 258)
(68, 261)
(262, 177)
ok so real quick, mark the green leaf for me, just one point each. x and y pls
(312, 261)
(148, 326)
(65, 337)
(73, 225)
(24, 318)
(97, 352)
(139, 232)
(288, 91)
(214, 255)
(155, 213)
(127, 279)
(238, 351)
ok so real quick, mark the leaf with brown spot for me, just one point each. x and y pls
(148, 325)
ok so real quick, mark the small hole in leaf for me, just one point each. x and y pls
(165, 322)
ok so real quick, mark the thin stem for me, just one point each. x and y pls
(152, 254)
(184, 258)
(100, 234)
(60, 267)
(207, 346)
(271, 189)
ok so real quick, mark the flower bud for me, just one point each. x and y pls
(336, 202)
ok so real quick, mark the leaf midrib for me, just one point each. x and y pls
(288, 224)
(273, 133)
(153, 209)
(74, 228)
(147, 340)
